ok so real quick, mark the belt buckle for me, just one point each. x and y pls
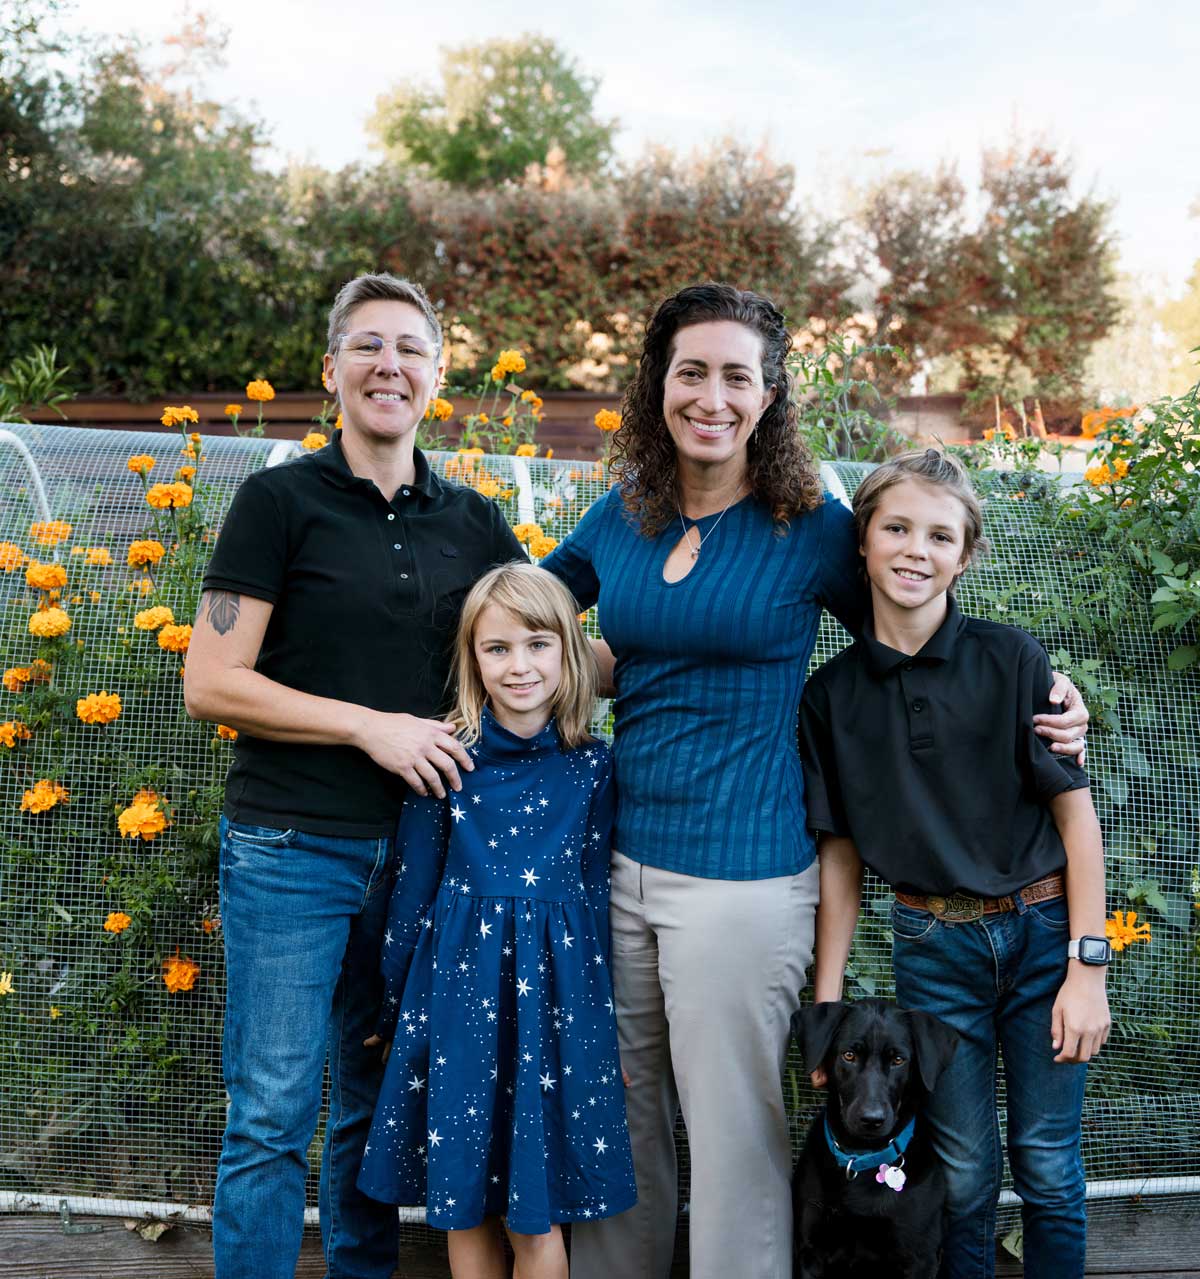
(958, 908)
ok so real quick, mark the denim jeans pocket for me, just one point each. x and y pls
(910, 924)
(259, 836)
(1053, 914)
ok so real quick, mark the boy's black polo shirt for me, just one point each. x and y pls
(367, 595)
(930, 763)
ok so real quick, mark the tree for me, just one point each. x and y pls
(503, 105)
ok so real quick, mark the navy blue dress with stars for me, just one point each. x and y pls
(503, 1093)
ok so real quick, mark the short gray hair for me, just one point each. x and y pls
(381, 287)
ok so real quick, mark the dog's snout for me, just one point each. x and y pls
(873, 1120)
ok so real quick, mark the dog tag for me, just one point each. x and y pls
(892, 1176)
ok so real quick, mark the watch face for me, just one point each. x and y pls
(1093, 950)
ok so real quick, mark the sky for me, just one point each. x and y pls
(841, 96)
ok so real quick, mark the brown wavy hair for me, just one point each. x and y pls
(782, 472)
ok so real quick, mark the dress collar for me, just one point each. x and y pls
(937, 648)
(498, 743)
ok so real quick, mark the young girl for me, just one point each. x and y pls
(921, 761)
(503, 1096)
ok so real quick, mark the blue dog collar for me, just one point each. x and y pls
(892, 1153)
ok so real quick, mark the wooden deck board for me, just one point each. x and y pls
(1165, 1245)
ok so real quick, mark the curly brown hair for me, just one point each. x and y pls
(781, 470)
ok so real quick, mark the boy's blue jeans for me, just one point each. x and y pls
(995, 981)
(303, 919)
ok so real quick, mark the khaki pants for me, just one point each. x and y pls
(706, 976)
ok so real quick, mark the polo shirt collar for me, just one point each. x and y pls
(333, 465)
(881, 659)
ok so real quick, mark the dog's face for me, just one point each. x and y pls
(876, 1056)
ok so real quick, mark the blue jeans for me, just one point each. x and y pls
(995, 981)
(303, 919)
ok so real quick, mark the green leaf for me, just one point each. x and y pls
(61, 913)
(1164, 595)
(1183, 657)
(1148, 892)
(1118, 790)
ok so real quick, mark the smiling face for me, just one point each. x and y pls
(914, 547)
(521, 670)
(380, 397)
(713, 393)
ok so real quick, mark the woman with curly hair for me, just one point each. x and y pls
(711, 559)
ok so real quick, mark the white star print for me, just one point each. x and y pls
(387, 937)
(599, 959)
(457, 813)
(485, 929)
(415, 1084)
(567, 1070)
(493, 843)
(546, 1082)
(601, 1145)
(543, 802)
(391, 1123)
(526, 1057)
(567, 939)
(530, 878)
(462, 965)
(476, 799)
(527, 809)
(499, 908)
(441, 1061)
(512, 830)
(574, 1114)
(522, 986)
(434, 1139)
(450, 1203)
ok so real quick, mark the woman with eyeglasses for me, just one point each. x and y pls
(324, 637)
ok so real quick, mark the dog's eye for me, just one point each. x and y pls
(899, 1060)
(849, 1055)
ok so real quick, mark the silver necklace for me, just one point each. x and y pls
(687, 533)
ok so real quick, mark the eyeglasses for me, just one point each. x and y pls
(365, 348)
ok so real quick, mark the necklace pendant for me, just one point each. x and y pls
(695, 552)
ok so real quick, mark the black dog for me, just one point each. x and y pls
(868, 1193)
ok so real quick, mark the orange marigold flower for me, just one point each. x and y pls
(117, 922)
(488, 488)
(509, 362)
(43, 796)
(98, 708)
(49, 623)
(94, 596)
(1097, 474)
(169, 496)
(190, 450)
(233, 410)
(175, 639)
(473, 452)
(99, 556)
(143, 554)
(180, 974)
(210, 925)
(1121, 467)
(11, 557)
(527, 450)
(1005, 432)
(227, 734)
(482, 419)
(49, 532)
(523, 532)
(441, 409)
(194, 437)
(506, 420)
(45, 577)
(1123, 929)
(150, 619)
(141, 820)
(314, 440)
(607, 420)
(141, 463)
(260, 390)
(177, 416)
(542, 546)
(186, 473)
(549, 452)
(13, 731)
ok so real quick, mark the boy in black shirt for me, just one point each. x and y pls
(929, 772)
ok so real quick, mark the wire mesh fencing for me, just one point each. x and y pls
(111, 951)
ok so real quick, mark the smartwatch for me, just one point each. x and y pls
(1089, 950)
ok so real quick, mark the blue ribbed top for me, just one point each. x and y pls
(709, 675)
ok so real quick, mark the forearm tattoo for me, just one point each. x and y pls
(222, 610)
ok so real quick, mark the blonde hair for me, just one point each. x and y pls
(933, 467)
(541, 602)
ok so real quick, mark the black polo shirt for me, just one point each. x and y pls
(930, 763)
(367, 595)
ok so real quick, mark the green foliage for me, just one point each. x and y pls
(503, 105)
(33, 381)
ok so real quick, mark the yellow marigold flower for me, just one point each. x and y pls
(150, 619)
(210, 925)
(497, 373)
(49, 532)
(145, 796)
(143, 554)
(43, 796)
(186, 473)
(195, 436)
(314, 440)
(180, 974)
(190, 450)
(98, 708)
(45, 577)
(169, 496)
(99, 556)
(13, 731)
(441, 409)
(260, 390)
(49, 623)
(542, 546)
(117, 922)
(488, 488)
(523, 532)
(1123, 929)
(6, 983)
(175, 639)
(55, 1012)
(1120, 468)
(507, 420)
(549, 453)
(168, 416)
(11, 557)
(528, 396)
(227, 734)
(1005, 431)
(141, 463)
(535, 405)
(482, 419)
(527, 450)
(511, 362)
(476, 451)
(607, 420)
(233, 410)
(145, 821)
(1098, 474)
(94, 596)
(144, 585)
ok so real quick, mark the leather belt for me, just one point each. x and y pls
(959, 908)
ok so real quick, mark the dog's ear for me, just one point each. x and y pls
(934, 1043)
(814, 1028)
